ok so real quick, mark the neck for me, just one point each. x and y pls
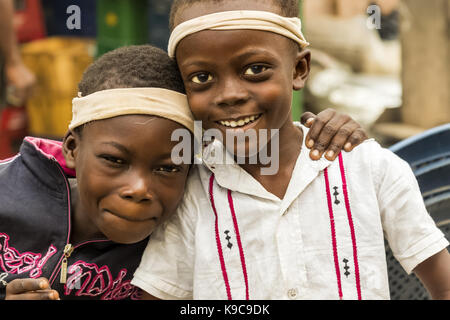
(83, 229)
(290, 143)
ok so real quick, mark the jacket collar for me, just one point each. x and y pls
(45, 159)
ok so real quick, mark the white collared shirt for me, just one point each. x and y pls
(232, 239)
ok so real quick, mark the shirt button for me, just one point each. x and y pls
(292, 293)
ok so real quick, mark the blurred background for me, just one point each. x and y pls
(383, 62)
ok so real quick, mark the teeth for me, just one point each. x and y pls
(239, 123)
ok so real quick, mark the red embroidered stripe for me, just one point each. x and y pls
(352, 228)
(333, 234)
(219, 245)
(238, 239)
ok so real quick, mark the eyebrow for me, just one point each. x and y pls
(165, 156)
(117, 146)
(195, 63)
(247, 54)
(253, 52)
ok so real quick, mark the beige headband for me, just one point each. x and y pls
(118, 102)
(239, 20)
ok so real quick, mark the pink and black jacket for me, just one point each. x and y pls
(35, 226)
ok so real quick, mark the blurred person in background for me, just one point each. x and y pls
(16, 81)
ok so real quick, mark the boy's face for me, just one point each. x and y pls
(127, 183)
(243, 79)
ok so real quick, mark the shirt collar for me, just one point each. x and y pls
(231, 176)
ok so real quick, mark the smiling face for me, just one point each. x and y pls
(127, 183)
(240, 79)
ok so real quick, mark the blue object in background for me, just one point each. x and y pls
(55, 12)
(425, 148)
(158, 21)
(429, 157)
(428, 154)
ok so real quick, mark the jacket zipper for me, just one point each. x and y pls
(55, 271)
(69, 248)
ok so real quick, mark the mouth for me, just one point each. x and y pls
(131, 218)
(239, 122)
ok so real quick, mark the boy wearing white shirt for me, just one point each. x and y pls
(312, 230)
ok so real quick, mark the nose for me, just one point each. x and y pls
(231, 93)
(137, 189)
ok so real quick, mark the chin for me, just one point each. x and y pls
(124, 237)
(123, 231)
(128, 240)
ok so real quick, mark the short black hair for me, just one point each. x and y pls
(142, 66)
(288, 8)
(132, 67)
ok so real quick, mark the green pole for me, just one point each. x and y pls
(297, 97)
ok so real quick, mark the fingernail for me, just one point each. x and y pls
(42, 284)
(330, 154)
(310, 143)
(348, 146)
(316, 154)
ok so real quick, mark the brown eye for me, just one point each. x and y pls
(113, 160)
(255, 69)
(168, 169)
(202, 78)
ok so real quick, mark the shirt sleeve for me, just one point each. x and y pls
(410, 231)
(167, 265)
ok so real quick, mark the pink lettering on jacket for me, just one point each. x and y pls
(88, 279)
(12, 261)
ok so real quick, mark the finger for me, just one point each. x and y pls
(328, 133)
(36, 295)
(309, 122)
(307, 118)
(358, 136)
(19, 286)
(339, 141)
(319, 122)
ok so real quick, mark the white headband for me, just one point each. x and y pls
(118, 102)
(239, 20)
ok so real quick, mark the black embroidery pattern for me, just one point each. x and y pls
(346, 267)
(335, 194)
(229, 245)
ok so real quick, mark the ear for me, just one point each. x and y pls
(302, 68)
(70, 147)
